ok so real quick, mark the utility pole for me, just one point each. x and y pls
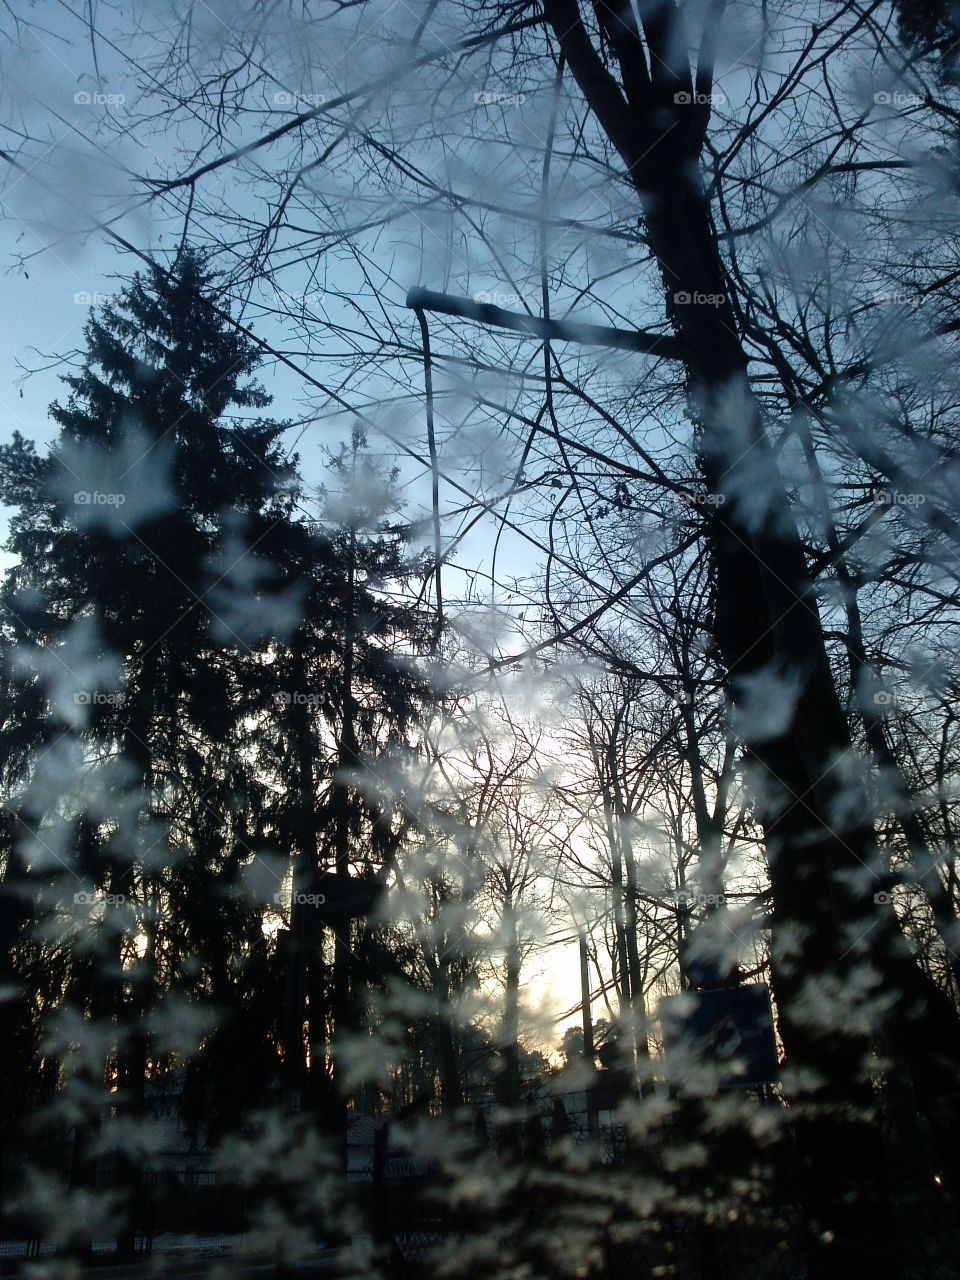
(585, 999)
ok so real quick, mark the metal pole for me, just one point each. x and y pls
(594, 335)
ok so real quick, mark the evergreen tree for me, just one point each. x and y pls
(168, 602)
(118, 610)
(348, 695)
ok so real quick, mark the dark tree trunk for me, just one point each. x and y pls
(766, 621)
(304, 946)
(508, 1084)
(342, 1004)
(132, 1008)
(451, 1088)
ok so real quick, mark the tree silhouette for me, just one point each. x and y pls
(201, 649)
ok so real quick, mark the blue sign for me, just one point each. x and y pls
(731, 1028)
